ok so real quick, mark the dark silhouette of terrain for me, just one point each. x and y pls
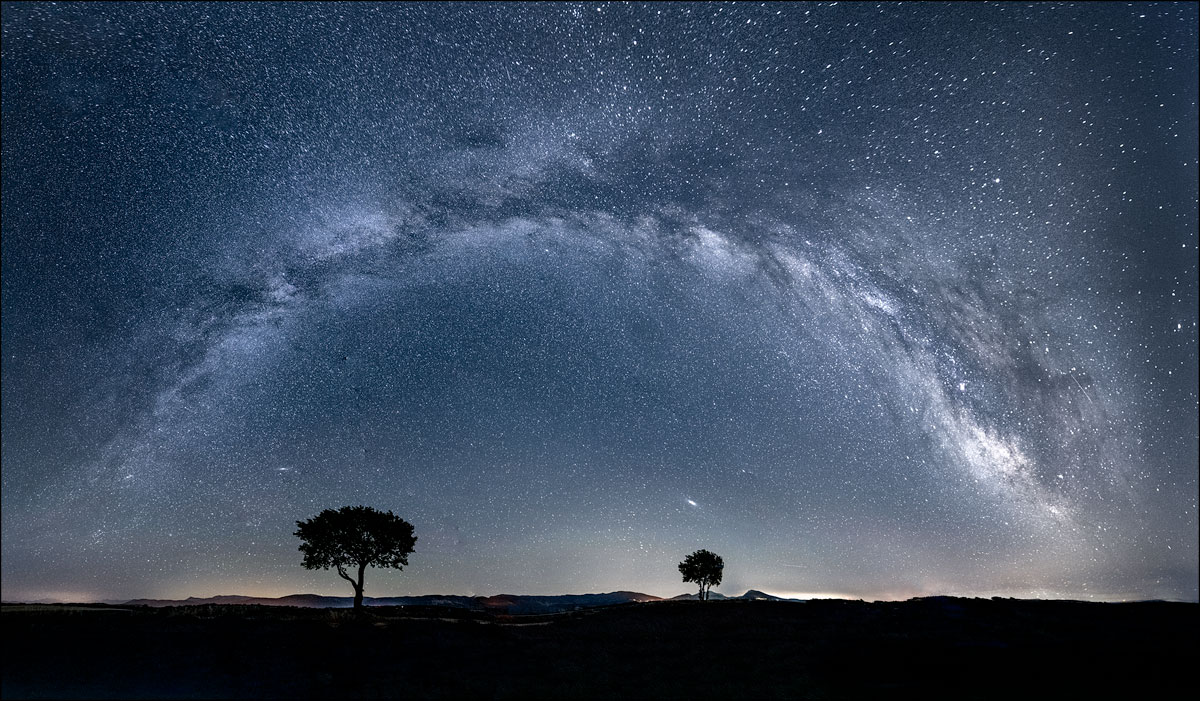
(930, 648)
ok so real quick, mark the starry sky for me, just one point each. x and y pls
(873, 300)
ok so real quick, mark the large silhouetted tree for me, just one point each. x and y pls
(355, 537)
(704, 568)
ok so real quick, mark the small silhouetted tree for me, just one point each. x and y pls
(704, 568)
(355, 537)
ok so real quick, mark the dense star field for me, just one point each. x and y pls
(873, 300)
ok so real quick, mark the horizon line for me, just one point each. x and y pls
(789, 596)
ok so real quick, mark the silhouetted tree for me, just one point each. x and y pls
(355, 536)
(704, 568)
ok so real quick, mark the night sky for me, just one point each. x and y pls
(871, 300)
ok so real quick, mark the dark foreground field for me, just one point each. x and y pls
(944, 648)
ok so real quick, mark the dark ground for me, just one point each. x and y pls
(928, 648)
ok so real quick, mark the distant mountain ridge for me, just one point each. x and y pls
(500, 603)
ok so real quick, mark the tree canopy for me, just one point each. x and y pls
(355, 537)
(704, 568)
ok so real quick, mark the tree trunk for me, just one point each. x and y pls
(358, 589)
(700, 596)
